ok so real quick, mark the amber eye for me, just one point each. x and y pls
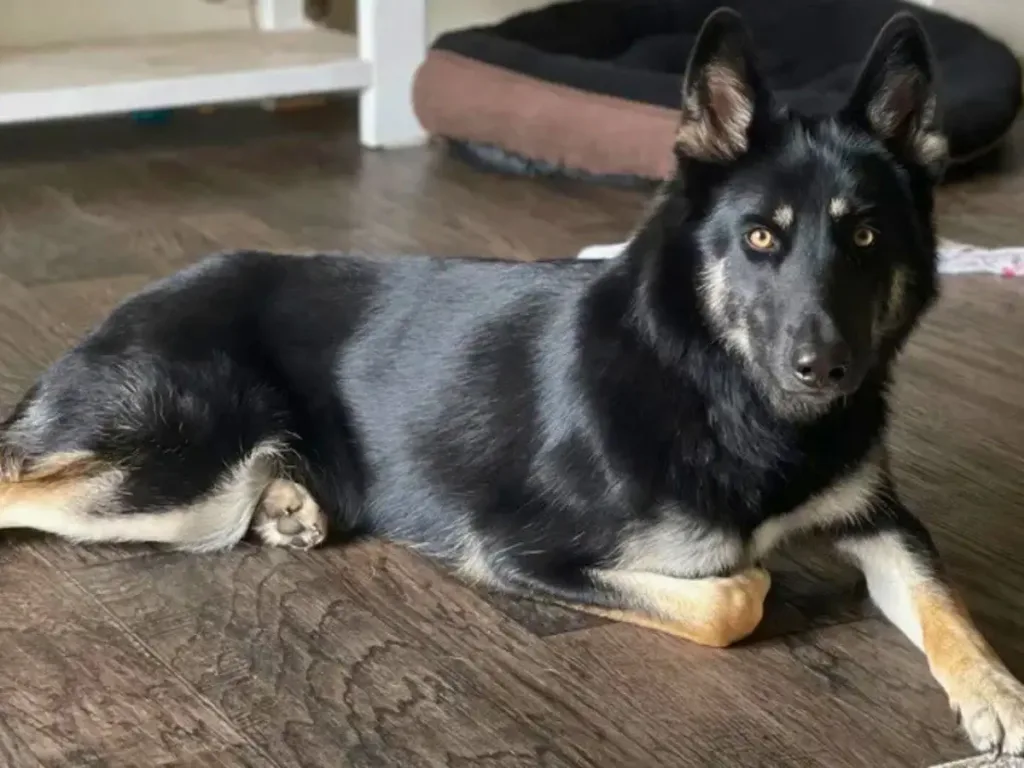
(864, 237)
(760, 239)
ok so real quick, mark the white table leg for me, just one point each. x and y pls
(393, 38)
(281, 15)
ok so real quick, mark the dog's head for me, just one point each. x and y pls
(813, 237)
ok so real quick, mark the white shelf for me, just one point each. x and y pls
(176, 71)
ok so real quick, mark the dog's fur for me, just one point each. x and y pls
(625, 437)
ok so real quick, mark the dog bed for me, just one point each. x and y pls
(590, 88)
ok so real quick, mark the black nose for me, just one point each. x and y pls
(823, 365)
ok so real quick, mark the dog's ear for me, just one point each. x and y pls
(895, 99)
(722, 92)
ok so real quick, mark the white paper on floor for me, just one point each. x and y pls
(985, 761)
(954, 258)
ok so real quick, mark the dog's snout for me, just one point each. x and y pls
(820, 358)
(822, 364)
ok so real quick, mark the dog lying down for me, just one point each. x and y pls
(628, 436)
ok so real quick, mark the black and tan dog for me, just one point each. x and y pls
(628, 437)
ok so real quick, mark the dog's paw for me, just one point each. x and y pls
(990, 709)
(287, 516)
(735, 605)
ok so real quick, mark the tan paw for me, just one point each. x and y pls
(735, 606)
(287, 516)
(989, 703)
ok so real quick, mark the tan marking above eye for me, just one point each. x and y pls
(783, 216)
(864, 237)
(761, 239)
(838, 207)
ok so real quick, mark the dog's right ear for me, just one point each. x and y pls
(895, 96)
(722, 92)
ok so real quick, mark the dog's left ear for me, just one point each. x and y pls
(894, 98)
(722, 92)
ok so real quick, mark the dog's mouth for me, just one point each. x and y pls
(812, 396)
(800, 406)
(825, 393)
(796, 401)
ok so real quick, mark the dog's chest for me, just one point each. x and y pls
(845, 500)
(686, 547)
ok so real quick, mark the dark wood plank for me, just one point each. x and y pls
(237, 230)
(75, 689)
(81, 304)
(370, 656)
(851, 695)
(811, 589)
(30, 339)
(47, 236)
(540, 619)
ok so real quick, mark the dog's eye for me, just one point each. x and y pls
(864, 237)
(761, 239)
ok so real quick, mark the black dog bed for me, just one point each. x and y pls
(591, 88)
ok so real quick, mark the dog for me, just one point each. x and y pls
(628, 437)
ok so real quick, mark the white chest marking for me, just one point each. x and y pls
(679, 548)
(848, 499)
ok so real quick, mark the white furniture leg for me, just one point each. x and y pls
(281, 15)
(392, 37)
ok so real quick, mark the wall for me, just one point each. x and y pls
(444, 15)
(1003, 19)
(41, 22)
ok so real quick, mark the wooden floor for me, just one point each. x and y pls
(370, 656)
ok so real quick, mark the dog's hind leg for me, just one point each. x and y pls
(145, 450)
(82, 498)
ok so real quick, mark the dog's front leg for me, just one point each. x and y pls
(906, 581)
